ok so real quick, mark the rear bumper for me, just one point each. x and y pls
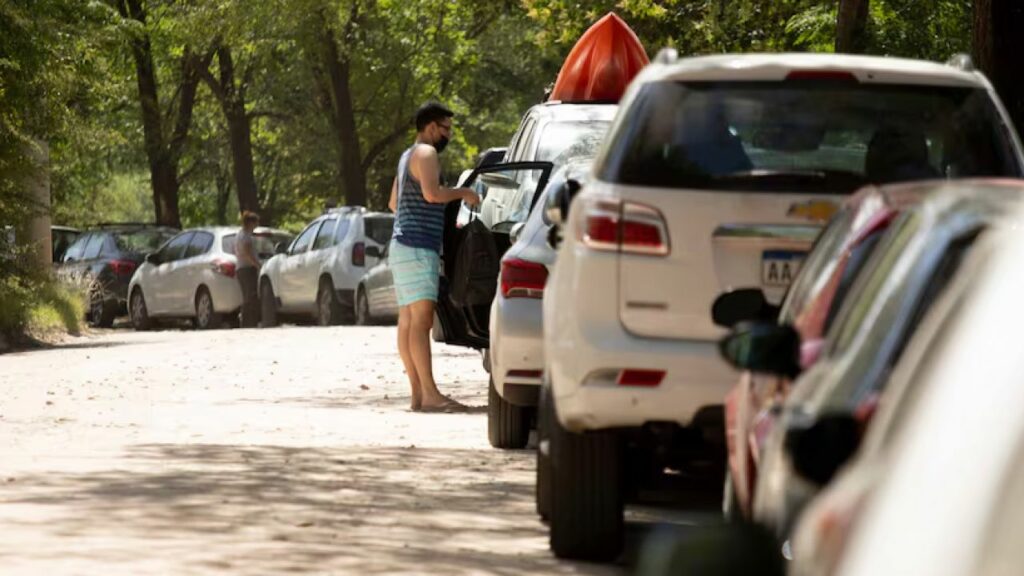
(517, 348)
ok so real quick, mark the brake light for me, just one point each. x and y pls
(522, 279)
(633, 377)
(833, 75)
(122, 267)
(625, 227)
(224, 268)
(359, 254)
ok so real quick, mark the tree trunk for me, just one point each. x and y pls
(223, 182)
(231, 96)
(38, 227)
(998, 44)
(851, 26)
(162, 151)
(350, 165)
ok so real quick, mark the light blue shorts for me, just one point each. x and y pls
(416, 273)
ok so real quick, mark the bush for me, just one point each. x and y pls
(38, 307)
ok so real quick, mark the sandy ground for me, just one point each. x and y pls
(255, 452)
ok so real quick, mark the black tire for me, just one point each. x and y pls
(363, 316)
(207, 317)
(508, 425)
(543, 488)
(268, 307)
(586, 493)
(138, 312)
(328, 309)
(101, 311)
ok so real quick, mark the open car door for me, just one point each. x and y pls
(471, 258)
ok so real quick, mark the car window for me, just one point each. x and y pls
(141, 241)
(378, 228)
(76, 249)
(343, 227)
(817, 269)
(305, 239)
(564, 141)
(325, 237)
(175, 249)
(200, 244)
(227, 244)
(92, 249)
(62, 240)
(811, 136)
(854, 265)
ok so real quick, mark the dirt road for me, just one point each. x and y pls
(255, 452)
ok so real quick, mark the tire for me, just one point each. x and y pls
(138, 312)
(363, 316)
(508, 425)
(328, 309)
(101, 311)
(206, 317)
(268, 306)
(543, 484)
(586, 493)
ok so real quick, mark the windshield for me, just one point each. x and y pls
(141, 241)
(813, 136)
(564, 141)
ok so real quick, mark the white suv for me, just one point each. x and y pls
(711, 173)
(318, 273)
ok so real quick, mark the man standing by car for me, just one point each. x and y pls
(248, 268)
(418, 200)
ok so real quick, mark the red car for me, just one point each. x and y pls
(810, 305)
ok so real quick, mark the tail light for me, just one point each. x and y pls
(122, 267)
(522, 279)
(648, 378)
(626, 227)
(359, 254)
(224, 267)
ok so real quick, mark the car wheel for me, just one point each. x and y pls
(138, 312)
(327, 305)
(586, 493)
(508, 425)
(543, 484)
(101, 311)
(206, 317)
(363, 317)
(268, 307)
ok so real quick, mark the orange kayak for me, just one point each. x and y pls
(601, 64)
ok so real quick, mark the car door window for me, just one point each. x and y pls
(175, 249)
(343, 227)
(200, 244)
(92, 249)
(379, 228)
(76, 250)
(325, 237)
(305, 240)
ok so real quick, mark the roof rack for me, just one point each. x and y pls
(666, 55)
(961, 61)
(126, 224)
(344, 209)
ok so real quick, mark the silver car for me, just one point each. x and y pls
(191, 276)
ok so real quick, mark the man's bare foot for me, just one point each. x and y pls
(416, 404)
(442, 404)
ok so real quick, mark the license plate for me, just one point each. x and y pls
(780, 267)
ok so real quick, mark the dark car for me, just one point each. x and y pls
(61, 238)
(103, 260)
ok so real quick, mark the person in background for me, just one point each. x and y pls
(248, 268)
(419, 200)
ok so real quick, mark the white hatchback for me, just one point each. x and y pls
(191, 276)
(712, 172)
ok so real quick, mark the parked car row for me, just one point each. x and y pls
(697, 210)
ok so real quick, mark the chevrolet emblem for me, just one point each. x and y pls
(814, 210)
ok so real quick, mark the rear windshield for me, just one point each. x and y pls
(814, 136)
(563, 141)
(263, 243)
(379, 228)
(141, 241)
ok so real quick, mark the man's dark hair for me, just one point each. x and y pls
(431, 112)
(250, 218)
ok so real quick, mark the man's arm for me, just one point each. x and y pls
(427, 169)
(393, 202)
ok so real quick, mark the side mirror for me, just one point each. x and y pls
(763, 347)
(152, 258)
(517, 229)
(745, 304)
(557, 206)
(373, 252)
(281, 248)
(819, 451)
(498, 180)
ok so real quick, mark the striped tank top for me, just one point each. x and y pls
(418, 223)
